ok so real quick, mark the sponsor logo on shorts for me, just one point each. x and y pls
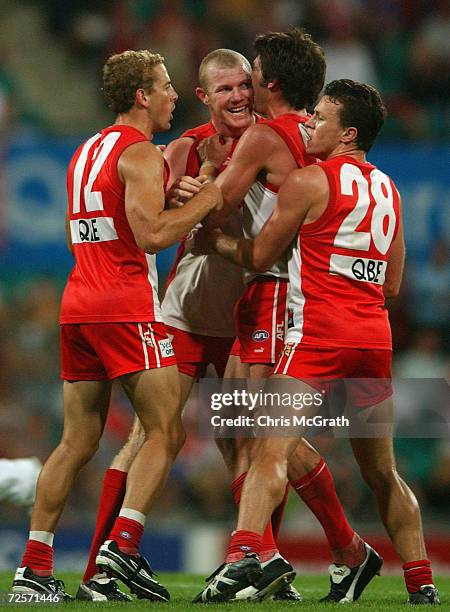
(286, 350)
(147, 337)
(260, 335)
(280, 331)
(165, 346)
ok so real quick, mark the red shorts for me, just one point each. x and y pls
(328, 365)
(195, 352)
(261, 317)
(103, 351)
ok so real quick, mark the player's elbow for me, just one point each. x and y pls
(151, 243)
(261, 263)
(391, 290)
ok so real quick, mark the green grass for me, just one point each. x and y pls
(384, 593)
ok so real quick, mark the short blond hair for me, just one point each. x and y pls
(221, 58)
(125, 73)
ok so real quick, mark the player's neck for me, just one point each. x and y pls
(277, 106)
(138, 121)
(226, 131)
(358, 154)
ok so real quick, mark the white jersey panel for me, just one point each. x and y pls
(153, 280)
(201, 296)
(259, 205)
(296, 299)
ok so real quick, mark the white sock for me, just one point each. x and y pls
(134, 515)
(46, 537)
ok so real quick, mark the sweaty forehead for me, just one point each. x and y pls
(327, 106)
(218, 76)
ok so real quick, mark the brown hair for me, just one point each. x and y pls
(362, 108)
(124, 74)
(222, 58)
(295, 61)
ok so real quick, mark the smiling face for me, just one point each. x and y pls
(229, 97)
(161, 98)
(325, 130)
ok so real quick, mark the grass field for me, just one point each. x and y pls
(384, 593)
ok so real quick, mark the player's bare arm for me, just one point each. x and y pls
(181, 187)
(395, 265)
(260, 150)
(302, 199)
(141, 170)
(68, 235)
(176, 154)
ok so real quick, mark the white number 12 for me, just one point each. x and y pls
(93, 199)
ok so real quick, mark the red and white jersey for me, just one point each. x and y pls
(113, 279)
(338, 263)
(261, 198)
(202, 289)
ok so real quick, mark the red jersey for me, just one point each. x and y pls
(261, 198)
(338, 263)
(192, 302)
(113, 279)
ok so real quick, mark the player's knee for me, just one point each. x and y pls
(380, 477)
(172, 437)
(80, 451)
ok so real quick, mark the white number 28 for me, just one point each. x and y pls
(347, 236)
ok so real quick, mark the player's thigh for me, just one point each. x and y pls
(85, 410)
(376, 454)
(235, 368)
(156, 397)
(186, 384)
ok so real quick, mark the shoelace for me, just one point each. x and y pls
(215, 572)
(60, 587)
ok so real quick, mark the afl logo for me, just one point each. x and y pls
(260, 335)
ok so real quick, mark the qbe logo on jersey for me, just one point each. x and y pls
(260, 335)
(165, 346)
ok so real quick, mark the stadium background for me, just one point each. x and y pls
(51, 52)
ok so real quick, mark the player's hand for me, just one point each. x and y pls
(204, 241)
(215, 149)
(182, 190)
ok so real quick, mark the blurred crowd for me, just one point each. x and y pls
(400, 46)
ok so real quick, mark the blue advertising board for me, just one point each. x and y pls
(33, 238)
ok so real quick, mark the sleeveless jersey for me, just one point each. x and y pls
(338, 263)
(113, 279)
(202, 289)
(261, 197)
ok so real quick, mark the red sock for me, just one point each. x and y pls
(268, 547)
(127, 533)
(278, 513)
(38, 557)
(417, 574)
(241, 543)
(111, 498)
(317, 491)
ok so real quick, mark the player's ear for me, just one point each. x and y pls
(273, 85)
(349, 135)
(202, 95)
(141, 97)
